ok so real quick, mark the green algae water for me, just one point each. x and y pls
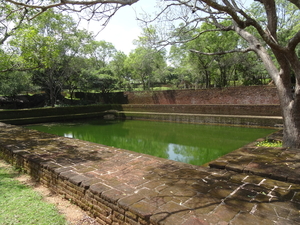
(189, 143)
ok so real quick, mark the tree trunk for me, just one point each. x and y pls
(291, 121)
(52, 101)
(196, 83)
(289, 99)
(291, 132)
(207, 79)
(143, 82)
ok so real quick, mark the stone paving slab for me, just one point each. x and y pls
(275, 163)
(163, 191)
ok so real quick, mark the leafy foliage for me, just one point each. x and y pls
(269, 144)
(58, 56)
(14, 83)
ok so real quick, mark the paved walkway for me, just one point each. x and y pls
(248, 186)
(274, 163)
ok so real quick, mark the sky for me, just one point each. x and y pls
(123, 27)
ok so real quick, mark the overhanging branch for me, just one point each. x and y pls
(50, 4)
(294, 41)
(19, 69)
(104, 6)
(295, 2)
(7, 34)
(223, 52)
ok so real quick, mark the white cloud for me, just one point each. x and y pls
(120, 36)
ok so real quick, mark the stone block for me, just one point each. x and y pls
(78, 179)
(98, 188)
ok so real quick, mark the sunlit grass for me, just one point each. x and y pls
(270, 144)
(21, 205)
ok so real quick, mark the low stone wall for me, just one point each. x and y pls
(44, 115)
(58, 111)
(257, 121)
(228, 114)
(70, 167)
(253, 110)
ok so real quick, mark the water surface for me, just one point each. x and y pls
(189, 143)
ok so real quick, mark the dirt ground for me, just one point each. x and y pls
(73, 214)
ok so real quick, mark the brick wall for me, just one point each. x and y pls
(244, 95)
(254, 110)
(57, 167)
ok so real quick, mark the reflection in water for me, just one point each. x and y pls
(189, 143)
(68, 135)
(174, 150)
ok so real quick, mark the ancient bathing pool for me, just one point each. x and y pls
(189, 143)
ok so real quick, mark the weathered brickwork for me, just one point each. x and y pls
(117, 186)
(74, 181)
(253, 110)
(244, 95)
(248, 120)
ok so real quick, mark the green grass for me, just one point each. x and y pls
(19, 204)
(269, 144)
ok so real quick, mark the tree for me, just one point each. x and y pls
(264, 36)
(106, 80)
(13, 83)
(100, 53)
(98, 80)
(98, 74)
(50, 44)
(121, 73)
(146, 65)
(218, 70)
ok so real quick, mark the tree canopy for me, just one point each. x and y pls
(209, 40)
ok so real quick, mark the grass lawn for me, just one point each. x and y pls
(19, 204)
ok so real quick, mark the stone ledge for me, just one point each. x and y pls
(276, 163)
(247, 120)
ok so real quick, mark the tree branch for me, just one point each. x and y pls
(48, 5)
(249, 21)
(76, 6)
(20, 69)
(270, 8)
(223, 52)
(295, 2)
(17, 25)
(294, 41)
(164, 43)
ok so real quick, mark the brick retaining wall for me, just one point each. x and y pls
(99, 111)
(71, 167)
(240, 120)
(253, 110)
(242, 95)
